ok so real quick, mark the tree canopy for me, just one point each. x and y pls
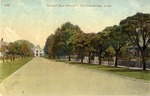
(61, 43)
(70, 39)
(137, 27)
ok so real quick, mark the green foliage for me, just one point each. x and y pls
(69, 39)
(109, 52)
(49, 47)
(79, 42)
(137, 27)
(101, 42)
(61, 42)
(83, 42)
(21, 47)
(11, 47)
(89, 42)
(118, 40)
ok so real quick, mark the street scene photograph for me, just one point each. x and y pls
(74, 48)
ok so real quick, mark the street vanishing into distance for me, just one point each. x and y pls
(49, 47)
(43, 77)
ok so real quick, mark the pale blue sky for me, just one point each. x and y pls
(34, 21)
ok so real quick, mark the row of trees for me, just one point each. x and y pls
(61, 42)
(70, 39)
(19, 48)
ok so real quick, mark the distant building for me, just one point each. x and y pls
(38, 52)
(3, 45)
(135, 51)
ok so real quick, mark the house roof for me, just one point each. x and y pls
(37, 47)
(3, 43)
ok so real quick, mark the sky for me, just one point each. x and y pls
(35, 20)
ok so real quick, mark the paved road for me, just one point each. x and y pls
(42, 77)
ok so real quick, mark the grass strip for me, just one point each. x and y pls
(126, 72)
(7, 68)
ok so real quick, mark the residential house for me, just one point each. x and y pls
(38, 52)
(3, 45)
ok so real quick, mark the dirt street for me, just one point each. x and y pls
(42, 77)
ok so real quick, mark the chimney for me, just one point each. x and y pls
(2, 40)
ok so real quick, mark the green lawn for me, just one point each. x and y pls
(8, 68)
(132, 73)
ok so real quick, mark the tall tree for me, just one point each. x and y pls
(12, 50)
(23, 48)
(62, 39)
(67, 30)
(79, 43)
(49, 47)
(137, 27)
(100, 43)
(89, 45)
(117, 40)
(76, 30)
(60, 44)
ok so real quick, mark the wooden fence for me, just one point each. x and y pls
(137, 64)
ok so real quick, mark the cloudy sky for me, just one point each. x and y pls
(35, 20)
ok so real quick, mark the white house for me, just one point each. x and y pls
(38, 52)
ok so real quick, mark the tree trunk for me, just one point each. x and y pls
(89, 57)
(99, 57)
(13, 57)
(116, 59)
(143, 60)
(108, 61)
(53, 57)
(69, 57)
(3, 58)
(81, 57)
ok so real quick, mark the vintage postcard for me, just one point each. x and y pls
(74, 47)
